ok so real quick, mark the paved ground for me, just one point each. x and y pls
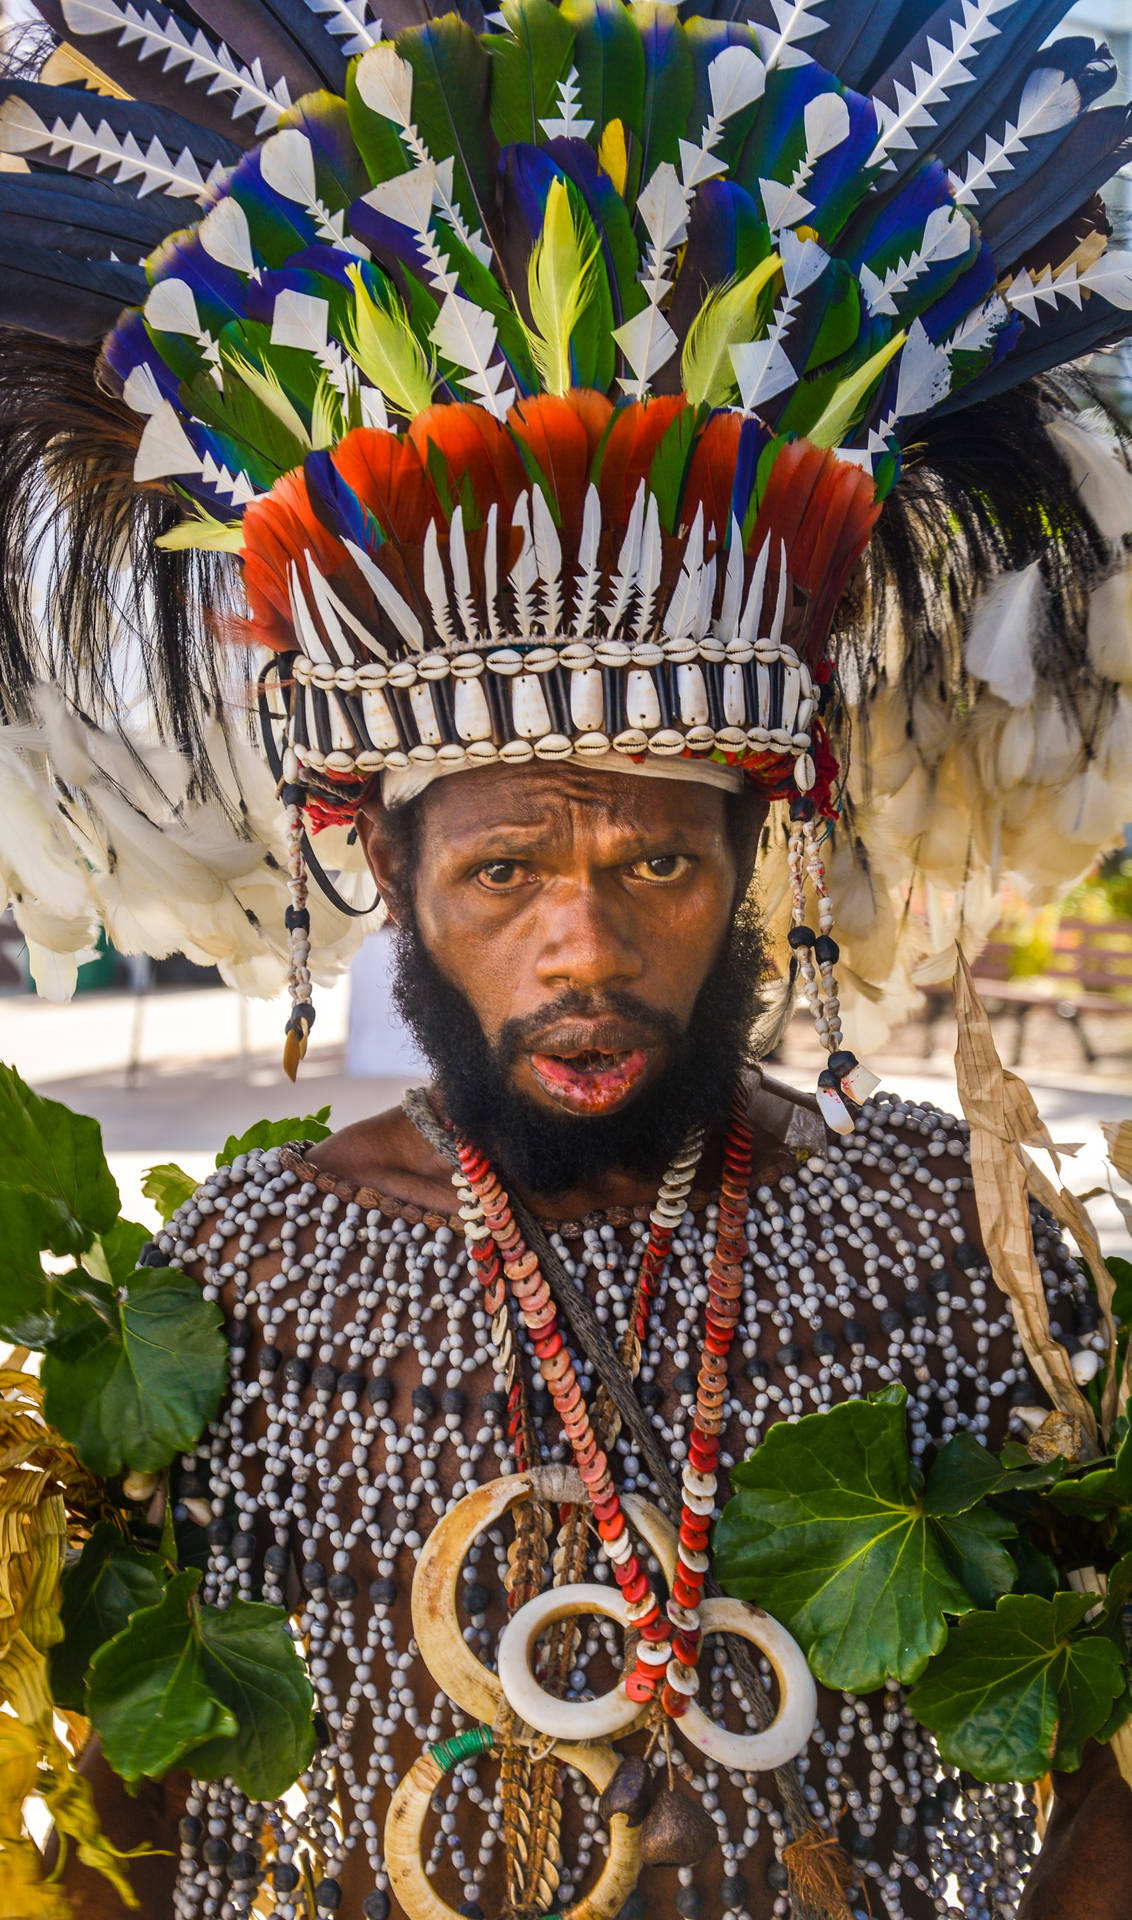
(207, 1065)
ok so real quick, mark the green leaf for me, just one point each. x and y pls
(53, 1159)
(974, 1546)
(963, 1473)
(221, 1688)
(253, 1666)
(826, 1532)
(26, 1294)
(112, 1257)
(110, 1581)
(1100, 1492)
(1020, 1689)
(1121, 1271)
(274, 1133)
(169, 1187)
(148, 1697)
(134, 1389)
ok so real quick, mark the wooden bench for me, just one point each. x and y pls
(1089, 971)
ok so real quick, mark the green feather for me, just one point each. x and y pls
(452, 81)
(268, 389)
(561, 273)
(843, 409)
(527, 64)
(387, 350)
(610, 62)
(729, 315)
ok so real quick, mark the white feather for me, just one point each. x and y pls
(436, 587)
(548, 557)
(589, 574)
(626, 564)
(286, 161)
(1005, 624)
(462, 577)
(392, 603)
(649, 569)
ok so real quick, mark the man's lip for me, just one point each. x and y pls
(595, 1088)
(589, 1036)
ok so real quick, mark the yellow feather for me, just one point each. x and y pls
(837, 420)
(326, 415)
(613, 154)
(266, 385)
(559, 285)
(727, 317)
(204, 532)
(387, 350)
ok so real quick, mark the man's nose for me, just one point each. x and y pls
(587, 941)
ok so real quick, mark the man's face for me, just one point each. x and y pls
(572, 959)
(579, 914)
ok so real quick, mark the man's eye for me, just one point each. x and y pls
(661, 866)
(498, 874)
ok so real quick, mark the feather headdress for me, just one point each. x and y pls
(546, 381)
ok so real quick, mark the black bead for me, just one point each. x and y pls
(541, 1403)
(929, 1813)
(733, 1891)
(826, 948)
(684, 1381)
(777, 1876)
(861, 1847)
(328, 1896)
(477, 1597)
(648, 1393)
(801, 937)
(237, 1334)
(788, 1356)
(285, 1877)
(324, 1379)
(312, 1573)
(215, 1852)
(383, 1592)
(321, 1731)
(495, 1405)
(276, 1561)
(342, 1586)
(190, 1486)
(218, 1532)
(890, 1319)
(453, 1401)
(376, 1906)
(825, 1345)
(296, 1372)
(841, 1062)
(352, 1383)
(268, 1359)
(243, 1865)
(940, 1281)
(379, 1393)
(1070, 1342)
(917, 1305)
(1022, 1393)
(634, 1908)
(471, 1910)
(856, 1333)
(688, 1904)
(904, 1841)
(967, 1256)
(243, 1546)
(947, 1792)
(1086, 1315)
(424, 1401)
(190, 1830)
(802, 808)
(756, 1369)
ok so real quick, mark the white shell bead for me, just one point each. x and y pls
(803, 773)
(587, 698)
(379, 720)
(642, 703)
(471, 711)
(528, 707)
(424, 713)
(734, 698)
(693, 696)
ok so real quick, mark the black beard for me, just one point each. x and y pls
(550, 1153)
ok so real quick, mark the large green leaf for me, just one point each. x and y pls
(110, 1580)
(827, 1531)
(136, 1384)
(148, 1697)
(1020, 1689)
(253, 1666)
(221, 1689)
(54, 1159)
(274, 1133)
(56, 1194)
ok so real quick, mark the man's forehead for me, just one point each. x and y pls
(545, 797)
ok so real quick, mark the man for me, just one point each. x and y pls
(549, 382)
(578, 961)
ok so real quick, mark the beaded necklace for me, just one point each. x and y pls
(669, 1641)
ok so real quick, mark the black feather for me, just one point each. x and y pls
(77, 539)
(49, 210)
(57, 295)
(1094, 149)
(124, 118)
(286, 35)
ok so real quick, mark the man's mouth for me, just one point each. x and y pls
(589, 1080)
